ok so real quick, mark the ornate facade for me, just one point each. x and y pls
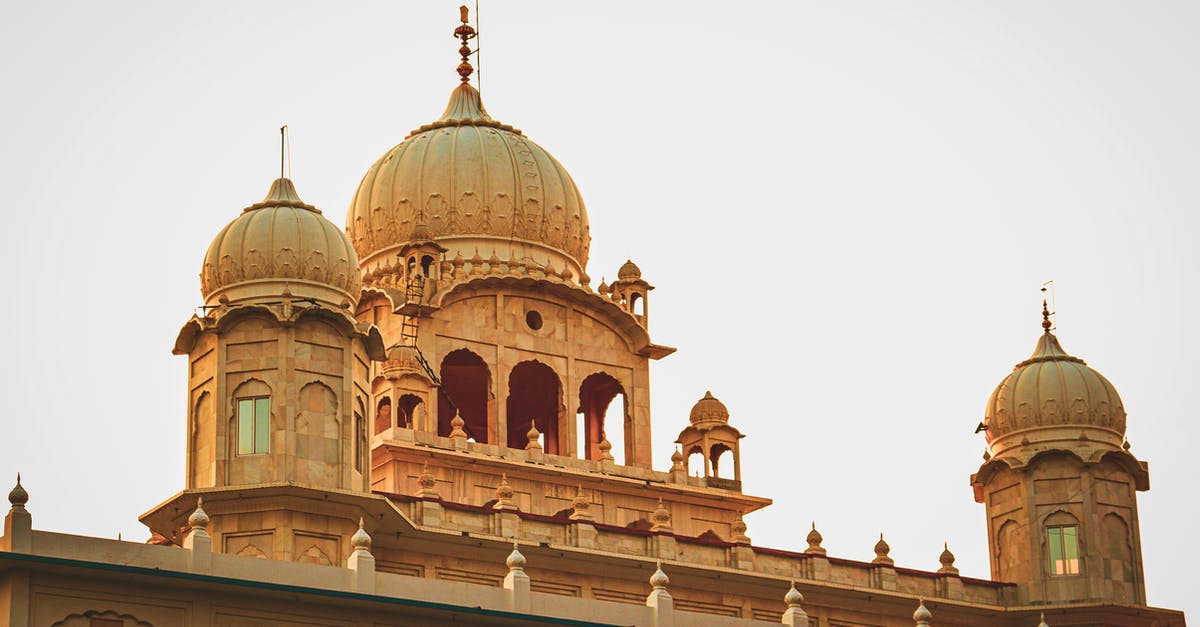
(411, 421)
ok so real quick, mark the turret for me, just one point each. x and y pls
(1059, 482)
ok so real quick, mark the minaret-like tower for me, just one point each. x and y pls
(1059, 482)
(277, 380)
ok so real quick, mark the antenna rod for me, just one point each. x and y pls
(478, 51)
(282, 147)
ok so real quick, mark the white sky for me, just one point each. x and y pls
(847, 207)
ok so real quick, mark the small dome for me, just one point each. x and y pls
(1053, 396)
(629, 271)
(277, 245)
(473, 182)
(709, 410)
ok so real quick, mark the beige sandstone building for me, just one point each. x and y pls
(406, 423)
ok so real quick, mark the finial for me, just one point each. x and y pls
(427, 482)
(605, 448)
(504, 495)
(456, 426)
(1045, 312)
(199, 518)
(515, 560)
(737, 531)
(922, 615)
(881, 552)
(661, 518)
(677, 459)
(465, 33)
(793, 597)
(659, 579)
(580, 506)
(794, 614)
(947, 560)
(532, 435)
(814, 541)
(1043, 623)
(18, 497)
(360, 540)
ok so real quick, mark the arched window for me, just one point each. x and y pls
(534, 394)
(465, 385)
(637, 304)
(383, 415)
(1062, 544)
(596, 396)
(252, 409)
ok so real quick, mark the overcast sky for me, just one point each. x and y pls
(847, 208)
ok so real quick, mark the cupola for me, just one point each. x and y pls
(280, 246)
(474, 184)
(1052, 397)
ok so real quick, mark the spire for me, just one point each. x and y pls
(1043, 623)
(465, 33)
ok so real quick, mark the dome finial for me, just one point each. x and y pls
(466, 33)
(1046, 324)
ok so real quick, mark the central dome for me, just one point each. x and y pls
(478, 186)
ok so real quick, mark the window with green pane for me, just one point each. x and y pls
(1064, 550)
(254, 419)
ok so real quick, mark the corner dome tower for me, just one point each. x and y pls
(278, 245)
(1053, 397)
(477, 185)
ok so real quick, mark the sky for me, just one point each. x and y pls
(848, 209)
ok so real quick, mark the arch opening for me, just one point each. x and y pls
(596, 396)
(465, 380)
(714, 457)
(406, 410)
(534, 394)
(637, 305)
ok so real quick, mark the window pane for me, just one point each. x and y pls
(245, 426)
(1070, 551)
(262, 422)
(1054, 541)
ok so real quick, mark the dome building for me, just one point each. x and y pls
(1060, 483)
(415, 421)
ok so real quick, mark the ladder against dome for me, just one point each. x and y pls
(277, 379)
(1059, 483)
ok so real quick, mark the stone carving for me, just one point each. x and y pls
(502, 207)
(469, 205)
(435, 206)
(286, 263)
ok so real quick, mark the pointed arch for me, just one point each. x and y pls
(466, 382)
(204, 441)
(534, 394)
(596, 395)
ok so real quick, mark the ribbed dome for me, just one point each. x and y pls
(280, 244)
(1053, 396)
(709, 410)
(629, 271)
(479, 185)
